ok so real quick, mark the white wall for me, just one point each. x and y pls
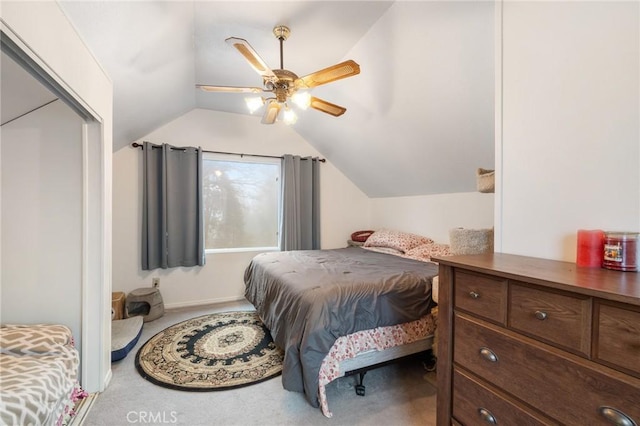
(45, 36)
(433, 215)
(570, 143)
(431, 126)
(44, 29)
(344, 208)
(42, 218)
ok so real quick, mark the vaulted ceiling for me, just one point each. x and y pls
(419, 116)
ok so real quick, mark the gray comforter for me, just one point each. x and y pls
(309, 298)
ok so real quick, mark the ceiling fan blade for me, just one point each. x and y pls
(336, 72)
(328, 107)
(256, 62)
(229, 89)
(271, 112)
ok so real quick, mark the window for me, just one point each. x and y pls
(241, 198)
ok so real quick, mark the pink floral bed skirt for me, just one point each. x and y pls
(380, 338)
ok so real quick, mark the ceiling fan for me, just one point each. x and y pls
(285, 85)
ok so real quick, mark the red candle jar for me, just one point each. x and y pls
(621, 251)
(590, 244)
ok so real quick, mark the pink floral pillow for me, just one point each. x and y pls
(398, 240)
(426, 251)
(439, 249)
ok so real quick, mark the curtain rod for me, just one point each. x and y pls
(137, 145)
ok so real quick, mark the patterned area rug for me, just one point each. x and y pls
(212, 352)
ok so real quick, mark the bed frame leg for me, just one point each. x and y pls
(430, 361)
(360, 387)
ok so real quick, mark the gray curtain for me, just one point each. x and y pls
(172, 219)
(300, 222)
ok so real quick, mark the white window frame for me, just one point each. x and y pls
(248, 159)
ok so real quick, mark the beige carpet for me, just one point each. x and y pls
(398, 394)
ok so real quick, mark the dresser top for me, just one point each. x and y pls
(603, 283)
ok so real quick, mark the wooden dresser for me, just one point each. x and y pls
(526, 341)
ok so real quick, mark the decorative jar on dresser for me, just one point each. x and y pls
(527, 341)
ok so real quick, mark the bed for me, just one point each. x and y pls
(38, 372)
(325, 306)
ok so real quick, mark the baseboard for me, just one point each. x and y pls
(107, 378)
(204, 302)
(82, 409)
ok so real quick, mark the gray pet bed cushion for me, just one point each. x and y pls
(124, 336)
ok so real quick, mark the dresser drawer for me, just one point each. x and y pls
(618, 337)
(561, 319)
(475, 403)
(567, 388)
(482, 295)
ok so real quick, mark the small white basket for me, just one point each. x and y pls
(486, 180)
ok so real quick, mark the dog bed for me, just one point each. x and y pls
(124, 336)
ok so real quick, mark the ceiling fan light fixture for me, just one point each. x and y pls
(289, 116)
(301, 99)
(254, 103)
(283, 85)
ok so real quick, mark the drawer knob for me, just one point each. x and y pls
(474, 295)
(488, 354)
(541, 315)
(487, 416)
(616, 417)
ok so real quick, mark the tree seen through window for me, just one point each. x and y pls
(241, 203)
